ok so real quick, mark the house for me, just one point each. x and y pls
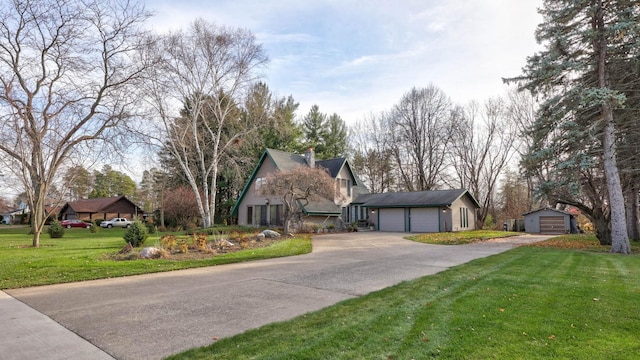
(547, 220)
(423, 211)
(420, 211)
(101, 208)
(254, 209)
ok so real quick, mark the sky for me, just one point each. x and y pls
(357, 58)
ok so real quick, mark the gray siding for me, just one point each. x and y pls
(532, 220)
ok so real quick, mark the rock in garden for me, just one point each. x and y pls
(261, 236)
(150, 253)
(269, 234)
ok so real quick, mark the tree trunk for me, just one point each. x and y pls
(631, 210)
(602, 230)
(619, 236)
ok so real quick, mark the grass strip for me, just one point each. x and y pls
(528, 303)
(460, 238)
(81, 255)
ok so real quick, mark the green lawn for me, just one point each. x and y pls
(459, 238)
(527, 303)
(82, 255)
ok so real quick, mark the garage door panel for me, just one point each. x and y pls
(424, 220)
(552, 224)
(392, 220)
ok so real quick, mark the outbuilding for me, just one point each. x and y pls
(548, 221)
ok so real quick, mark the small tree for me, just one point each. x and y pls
(136, 235)
(297, 187)
(55, 230)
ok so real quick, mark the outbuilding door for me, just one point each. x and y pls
(552, 224)
(392, 220)
(424, 220)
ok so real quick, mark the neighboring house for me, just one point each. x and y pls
(550, 221)
(14, 216)
(424, 211)
(101, 208)
(254, 209)
(420, 211)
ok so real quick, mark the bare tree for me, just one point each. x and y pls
(297, 187)
(68, 71)
(372, 158)
(206, 69)
(421, 129)
(483, 147)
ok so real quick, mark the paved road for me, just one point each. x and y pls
(156, 315)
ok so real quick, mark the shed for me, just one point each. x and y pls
(547, 221)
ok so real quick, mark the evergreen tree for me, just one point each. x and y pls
(111, 182)
(585, 43)
(314, 130)
(335, 138)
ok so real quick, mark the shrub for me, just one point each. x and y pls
(98, 222)
(168, 242)
(137, 234)
(199, 241)
(151, 229)
(55, 230)
(94, 229)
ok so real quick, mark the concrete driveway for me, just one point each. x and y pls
(156, 315)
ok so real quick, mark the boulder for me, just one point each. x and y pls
(270, 234)
(150, 253)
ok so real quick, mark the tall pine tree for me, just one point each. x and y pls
(585, 42)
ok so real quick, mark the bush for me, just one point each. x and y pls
(98, 222)
(94, 229)
(137, 234)
(55, 230)
(151, 229)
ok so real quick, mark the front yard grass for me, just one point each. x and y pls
(531, 302)
(82, 255)
(460, 238)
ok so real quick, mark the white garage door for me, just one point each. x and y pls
(392, 220)
(424, 220)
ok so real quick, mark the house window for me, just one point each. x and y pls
(260, 182)
(348, 187)
(464, 218)
(249, 215)
(275, 215)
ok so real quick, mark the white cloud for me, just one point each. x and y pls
(358, 57)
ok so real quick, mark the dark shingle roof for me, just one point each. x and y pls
(288, 161)
(92, 205)
(285, 160)
(433, 198)
(547, 208)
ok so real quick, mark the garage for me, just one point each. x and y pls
(424, 220)
(547, 221)
(420, 211)
(392, 220)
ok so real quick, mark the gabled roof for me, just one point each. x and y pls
(286, 161)
(432, 198)
(95, 205)
(548, 208)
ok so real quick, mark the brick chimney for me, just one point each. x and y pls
(310, 157)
